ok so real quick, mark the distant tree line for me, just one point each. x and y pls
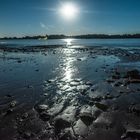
(87, 36)
(104, 36)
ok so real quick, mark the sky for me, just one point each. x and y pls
(40, 17)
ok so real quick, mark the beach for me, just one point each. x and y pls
(69, 93)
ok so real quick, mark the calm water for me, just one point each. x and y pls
(74, 42)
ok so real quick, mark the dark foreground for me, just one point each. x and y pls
(70, 94)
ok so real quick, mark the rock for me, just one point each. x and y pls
(8, 95)
(86, 115)
(115, 77)
(25, 115)
(60, 124)
(106, 97)
(13, 103)
(133, 81)
(131, 133)
(98, 98)
(45, 94)
(110, 80)
(87, 118)
(117, 84)
(135, 109)
(29, 86)
(45, 116)
(89, 83)
(42, 107)
(27, 135)
(133, 74)
(104, 120)
(9, 111)
(115, 107)
(117, 73)
(69, 114)
(80, 128)
(94, 88)
(101, 106)
(96, 112)
(51, 81)
(19, 61)
(66, 136)
(81, 59)
(57, 108)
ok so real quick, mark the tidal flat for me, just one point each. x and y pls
(69, 93)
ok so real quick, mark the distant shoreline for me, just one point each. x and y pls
(88, 36)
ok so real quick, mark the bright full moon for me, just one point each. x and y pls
(69, 10)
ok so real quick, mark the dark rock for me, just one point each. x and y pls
(27, 135)
(60, 124)
(117, 73)
(110, 80)
(117, 84)
(115, 77)
(66, 136)
(89, 83)
(25, 115)
(19, 61)
(79, 59)
(101, 106)
(87, 118)
(9, 111)
(96, 112)
(108, 97)
(135, 109)
(8, 95)
(45, 116)
(29, 86)
(133, 81)
(50, 81)
(132, 133)
(133, 74)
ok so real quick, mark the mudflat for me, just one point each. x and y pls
(59, 93)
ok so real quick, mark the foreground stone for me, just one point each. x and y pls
(132, 133)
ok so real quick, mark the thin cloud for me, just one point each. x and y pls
(43, 26)
(46, 9)
(46, 27)
(89, 12)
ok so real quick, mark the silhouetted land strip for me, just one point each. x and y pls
(87, 36)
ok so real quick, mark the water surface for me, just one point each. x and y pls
(73, 42)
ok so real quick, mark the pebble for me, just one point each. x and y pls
(42, 107)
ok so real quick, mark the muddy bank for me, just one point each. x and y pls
(70, 93)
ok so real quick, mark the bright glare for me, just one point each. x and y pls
(68, 41)
(69, 10)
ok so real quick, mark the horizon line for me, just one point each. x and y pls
(88, 34)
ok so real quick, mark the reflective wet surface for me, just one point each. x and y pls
(69, 93)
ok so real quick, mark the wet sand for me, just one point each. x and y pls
(74, 93)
